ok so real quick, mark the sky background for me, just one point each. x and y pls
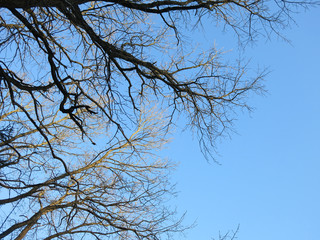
(269, 177)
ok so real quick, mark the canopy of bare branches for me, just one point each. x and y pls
(88, 92)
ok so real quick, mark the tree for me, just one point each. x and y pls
(112, 189)
(80, 72)
(231, 235)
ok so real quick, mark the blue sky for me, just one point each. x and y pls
(269, 177)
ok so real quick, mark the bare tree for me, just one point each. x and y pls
(114, 188)
(230, 235)
(80, 72)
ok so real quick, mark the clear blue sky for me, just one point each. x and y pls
(269, 180)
